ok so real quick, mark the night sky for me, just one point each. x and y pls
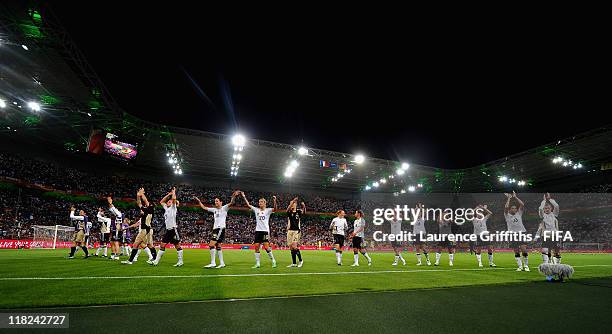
(447, 97)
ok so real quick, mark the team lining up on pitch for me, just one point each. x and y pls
(114, 232)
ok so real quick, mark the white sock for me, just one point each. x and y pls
(105, 251)
(451, 257)
(401, 258)
(213, 254)
(438, 255)
(180, 256)
(479, 258)
(490, 258)
(159, 256)
(518, 261)
(98, 250)
(338, 257)
(526, 261)
(148, 251)
(271, 256)
(419, 257)
(367, 256)
(396, 259)
(220, 254)
(545, 258)
(356, 258)
(257, 257)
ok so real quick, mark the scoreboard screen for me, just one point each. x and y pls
(118, 148)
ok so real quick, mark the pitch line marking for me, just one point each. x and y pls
(270, 274)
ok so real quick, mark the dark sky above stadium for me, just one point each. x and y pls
(442, 96)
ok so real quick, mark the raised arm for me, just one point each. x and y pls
(113, 208)
(488, 212)
(138, 194)
(521, 204)
(73, 216)
(245, 199)
(199, 202)
(303, 208)
(165, 199)
(507, 205)
(275, 207)
(233, 199)
(291, 203)
(554, 204)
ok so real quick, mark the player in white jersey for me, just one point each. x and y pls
(358, 236)
(338, 227)
(170, 204)
(115, 229)
(480, 230)
(262, 229)
(549, 211)
(419, 232)
(444, 230)
(104, 232)
(219, 212)
(396, 230)
(514, 219)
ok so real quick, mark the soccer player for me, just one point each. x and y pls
(104, 232)
(115, 229)
(144, 238)
(338, 227)
(445, 229)
(480, 230)
(549, 211)
(262, 229)
(219, 211)
(357, 239)
(125, 237)
(396, 229)
(170, 204)
(80, 223)
(514, 219)
(294, 217)
(419, 232)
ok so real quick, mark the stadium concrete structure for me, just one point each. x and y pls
(47, 68)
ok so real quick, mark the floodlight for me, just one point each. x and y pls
(359, 158)
(302, 151)
(34, 106)
(411, 189)
(238, 140)
(2, 103)
(405, 165)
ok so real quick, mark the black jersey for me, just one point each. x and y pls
(295, 218)
(146, 217)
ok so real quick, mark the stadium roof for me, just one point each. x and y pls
(40, 63)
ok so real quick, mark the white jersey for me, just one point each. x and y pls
(359, 224)
(263, 219)
(339, 225)
(480, 225)
(419, 226)
(170, 216)
(118, 214)
(515, 221)
(396, 226)
(220, 215)
(105, 228)
(549, 219)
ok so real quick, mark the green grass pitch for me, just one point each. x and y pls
(319, 296)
